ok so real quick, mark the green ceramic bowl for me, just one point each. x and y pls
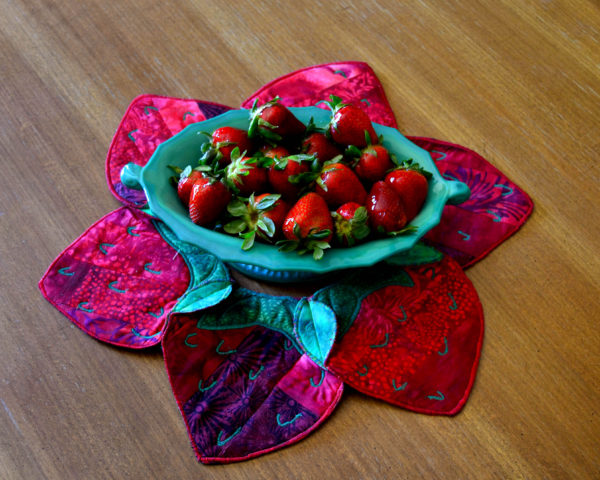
(265, 261)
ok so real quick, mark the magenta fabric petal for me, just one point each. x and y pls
(496, 209)
(149, 121)
(354, 82)
(244, 392)
(118, 281)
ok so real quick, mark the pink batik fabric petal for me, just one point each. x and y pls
(354, 82)
(149, 121)
(119, 280)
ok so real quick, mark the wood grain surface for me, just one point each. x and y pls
(516, 81)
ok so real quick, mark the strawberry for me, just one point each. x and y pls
(308, 226)
(385, 209)
(373, 163)
(320, 146)
(274, 122)
(262, 216)
(185, 182)
(338, 184)
(245, 175)
(410, 183)
(208, 200)
(351, 224)
(278, 151)
(349, 124)
(225, 139)
(283, 173)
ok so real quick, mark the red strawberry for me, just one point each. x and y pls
(308, 226)
(262, 216)
(245, 175)
(284, 170)
(320, 146)
(278, 151)
(338, 184)
(385, 209)
(187, 178)
(351, 224)
(208, 199)
(225, 139)
(350, 125)
(277, 212)
(274, 122)
(373, 163)
(410, 183)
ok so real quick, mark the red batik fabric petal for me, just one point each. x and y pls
(244, 392)
(118, 281)
(149, 121)
(415, 344)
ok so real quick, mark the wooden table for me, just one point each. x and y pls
(518, 82)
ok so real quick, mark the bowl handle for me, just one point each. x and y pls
(130, 176)
(459, 192)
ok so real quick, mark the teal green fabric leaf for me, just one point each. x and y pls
(315, 327)
(210, 282)
(245, 308)
(345, 296)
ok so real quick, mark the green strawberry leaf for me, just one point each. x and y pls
(237, 208)
(266, 225)
(248, 242)
(234, 227)
(268, 202)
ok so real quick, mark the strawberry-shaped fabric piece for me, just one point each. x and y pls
(496, 209)
(149, 121)
(242, 379)
(411, 336)
(119, 280)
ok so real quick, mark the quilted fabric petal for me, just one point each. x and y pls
(496, 209)
(149, 121)
(119, 280)
(244, 388)
(414, 340)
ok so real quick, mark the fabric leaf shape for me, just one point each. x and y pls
(210, 281)
(243, 391)
(118, 281)
(315, 328)
(416, 344)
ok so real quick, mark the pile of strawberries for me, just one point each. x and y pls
(300, 187)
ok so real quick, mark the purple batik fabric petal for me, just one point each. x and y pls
(119, 280)
(496, 209)
(244, 392)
